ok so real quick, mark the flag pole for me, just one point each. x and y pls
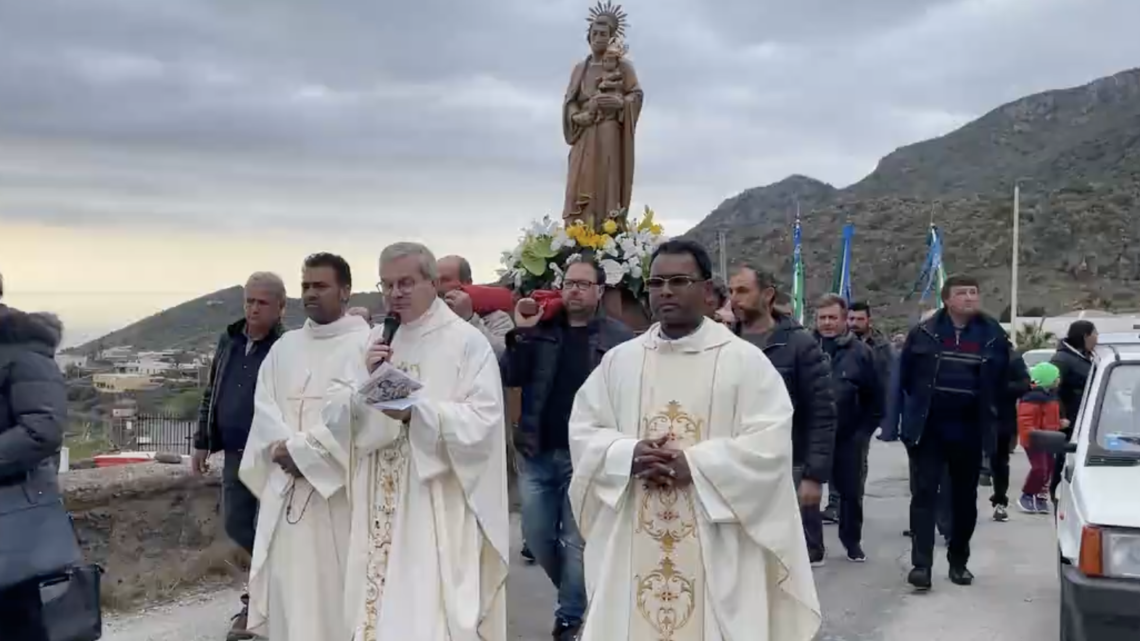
(1014, 265)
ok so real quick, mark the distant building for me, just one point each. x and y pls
(145, 367)
(70, 360)
(117, 382)
(117, 354)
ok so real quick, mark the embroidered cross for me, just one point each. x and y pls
(301, 428)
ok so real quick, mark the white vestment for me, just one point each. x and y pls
(296, 581)
(723, 559)
(430, 527)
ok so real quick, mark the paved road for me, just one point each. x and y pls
(1013, 599)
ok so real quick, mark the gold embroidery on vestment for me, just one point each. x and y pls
(669, 595)
(388, 473)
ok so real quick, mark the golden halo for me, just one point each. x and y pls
(612, 12)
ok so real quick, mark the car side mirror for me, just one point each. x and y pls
(1051, 442)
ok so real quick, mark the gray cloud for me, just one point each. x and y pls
(398, 117)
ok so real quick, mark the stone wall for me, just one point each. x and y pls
(153, 527)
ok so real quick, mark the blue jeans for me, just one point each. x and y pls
(549, 529)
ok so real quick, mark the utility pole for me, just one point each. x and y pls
(1014, 264)
(722, 244)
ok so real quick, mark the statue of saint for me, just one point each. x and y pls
(599, 120)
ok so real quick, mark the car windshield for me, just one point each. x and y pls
(1036, 356)
(1118, 423)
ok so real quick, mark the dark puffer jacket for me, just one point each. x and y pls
(857, 389)
(1074, 366)
(807, 375)
(33, 397)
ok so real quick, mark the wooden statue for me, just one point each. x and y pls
(599, 121)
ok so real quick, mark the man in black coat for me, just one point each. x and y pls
(1017, 384)
(860, 323)
(952, 372)
(550, 360)
(859, 398)
(226, 411)
(33, 413)
(797, 356)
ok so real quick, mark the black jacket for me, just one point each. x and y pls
(885, 357)
(208, 436)
(531, 362)
(1074, 366)
(919, 363)
(33, 397)
(1017, 385)
(797, 356)
(855, 384)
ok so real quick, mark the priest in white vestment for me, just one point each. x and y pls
(682, 487)
(428, 485)
(296, 581)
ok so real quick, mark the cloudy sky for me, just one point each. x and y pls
(154, 150)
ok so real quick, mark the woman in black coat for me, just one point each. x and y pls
(1074, 360)
(33, 411)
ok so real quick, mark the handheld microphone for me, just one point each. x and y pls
(391, 324)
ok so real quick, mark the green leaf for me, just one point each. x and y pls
(533, 263)
(542, 249)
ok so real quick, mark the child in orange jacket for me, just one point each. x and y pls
(1039, 409)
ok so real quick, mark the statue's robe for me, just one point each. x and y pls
(600, 175)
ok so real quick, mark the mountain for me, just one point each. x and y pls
(1076, 153)
(195, 325)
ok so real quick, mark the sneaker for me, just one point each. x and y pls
(238, 631)
(817, 560)
(1042, 504)
(855, 554)
(907, 533)
(1000, 514)
(920, 579)
(1028, 504)
(830, 515)
(959, 575)
(527, 555)
(565, 631)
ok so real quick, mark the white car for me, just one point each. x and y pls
(1098, 507)
(1035, 356)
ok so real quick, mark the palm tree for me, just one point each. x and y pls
(1032, 336)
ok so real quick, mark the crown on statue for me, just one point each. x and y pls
(611, 13)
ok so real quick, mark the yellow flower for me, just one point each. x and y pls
(610, 227)
(647, 221)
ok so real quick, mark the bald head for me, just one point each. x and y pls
(454, 272)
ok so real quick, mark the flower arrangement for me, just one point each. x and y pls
(622, 248)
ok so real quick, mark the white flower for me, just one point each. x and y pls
(558, 275)
(633, 266)
(544, 227)
(518, 278)
(560, 239)
(573, 258)
(609, 247)
(615, 272)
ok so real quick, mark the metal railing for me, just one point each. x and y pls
(152, 433)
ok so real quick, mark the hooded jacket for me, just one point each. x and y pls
(855, 383)
(33, 396)
(1075, 366)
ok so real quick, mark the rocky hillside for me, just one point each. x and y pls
(1077, 154)
(194, 325)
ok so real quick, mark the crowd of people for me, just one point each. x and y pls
(671, 482)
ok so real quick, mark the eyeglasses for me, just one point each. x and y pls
(583, 285)
(674, 282)
(403, 286)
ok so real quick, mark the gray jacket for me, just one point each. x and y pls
(33, 395)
